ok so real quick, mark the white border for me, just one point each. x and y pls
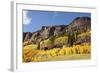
(17, 52)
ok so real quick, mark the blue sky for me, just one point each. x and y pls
(33, 20)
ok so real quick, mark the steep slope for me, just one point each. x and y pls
(77, 32)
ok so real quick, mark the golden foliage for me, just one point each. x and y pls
(88, 33)
(27, 43)
(30, 54)
(32, 46)
(61, 40)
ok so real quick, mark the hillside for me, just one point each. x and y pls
(77, 27)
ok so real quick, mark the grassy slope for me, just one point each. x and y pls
(71, 57)
(68, 57)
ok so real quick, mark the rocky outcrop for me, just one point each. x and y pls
(27, 36)
(80, 23)
(44, 33)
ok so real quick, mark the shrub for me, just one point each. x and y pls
(32, 46)
(61, 40)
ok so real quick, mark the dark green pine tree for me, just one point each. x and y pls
(71, 38)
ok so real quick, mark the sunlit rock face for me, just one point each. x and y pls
(82, 21)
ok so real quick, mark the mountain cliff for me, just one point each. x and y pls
(80, 24)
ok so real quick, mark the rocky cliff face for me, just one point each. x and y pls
(80, 23)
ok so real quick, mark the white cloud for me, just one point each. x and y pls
(26, 19)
